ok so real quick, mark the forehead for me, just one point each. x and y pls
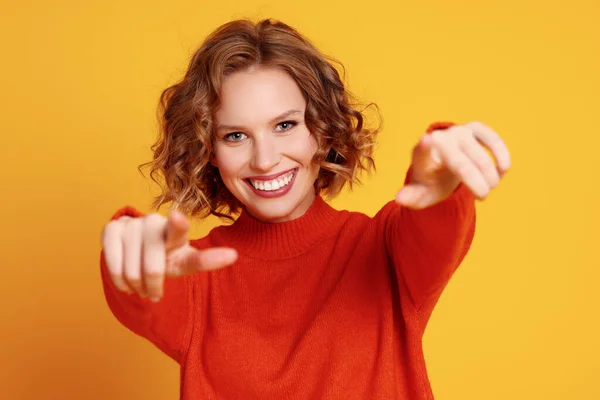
(258, 95)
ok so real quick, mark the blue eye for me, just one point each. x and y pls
(235, 136)
(286, 125)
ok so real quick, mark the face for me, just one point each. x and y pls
(263, 149)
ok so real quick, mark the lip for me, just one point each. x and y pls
(270, 177)
(273, 193)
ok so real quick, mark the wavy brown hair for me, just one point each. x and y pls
(186, 114)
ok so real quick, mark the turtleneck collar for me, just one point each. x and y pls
(256, 238)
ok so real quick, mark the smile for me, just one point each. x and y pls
(271, 186)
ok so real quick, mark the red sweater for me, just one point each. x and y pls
(332, 305)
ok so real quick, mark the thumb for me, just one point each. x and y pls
(423, 147)
(414, 196)
(425, 156)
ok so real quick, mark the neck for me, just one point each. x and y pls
(284, 239)
(296, 213)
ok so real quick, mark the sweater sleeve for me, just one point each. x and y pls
(426, 246)
(165, 324)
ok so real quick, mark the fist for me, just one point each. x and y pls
(472, 154)
(141, 252)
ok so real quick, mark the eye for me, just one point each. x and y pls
(235, 136)
(286, 126)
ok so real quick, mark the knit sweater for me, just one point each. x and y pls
(331, 305)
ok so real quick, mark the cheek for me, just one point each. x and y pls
(228, 164)
(306, 147)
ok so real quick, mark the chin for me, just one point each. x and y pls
(285, 207)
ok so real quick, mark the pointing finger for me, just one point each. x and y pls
(192, 260)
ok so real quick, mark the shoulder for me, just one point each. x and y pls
(361, 221)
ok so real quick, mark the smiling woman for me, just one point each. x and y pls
(268, 166)
(246, 80)
(315, 303)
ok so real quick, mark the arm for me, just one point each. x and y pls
(430, 226)
(165, 324)
(426, 246)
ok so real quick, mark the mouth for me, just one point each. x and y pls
(273, 185)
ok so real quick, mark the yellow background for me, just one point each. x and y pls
(80, 81)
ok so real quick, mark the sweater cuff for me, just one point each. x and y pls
(127, 211)
(441, 125)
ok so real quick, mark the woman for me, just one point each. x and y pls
(315, 303)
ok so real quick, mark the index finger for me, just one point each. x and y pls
(192, 260)
(494, 142)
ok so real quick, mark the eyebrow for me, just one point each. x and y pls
(286, 114)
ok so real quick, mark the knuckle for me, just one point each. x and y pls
(118, 281)
(154, 274)
(153, 219)
(483, 161)
(135, 283)
(110, 229)
(151, 224)
(437, 137)
(476, 124)
(132, 228)
(460, 165)
(464, 132)
(463, 168)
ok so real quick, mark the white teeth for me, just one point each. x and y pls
(274, 184)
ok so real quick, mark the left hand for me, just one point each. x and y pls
(445, 158)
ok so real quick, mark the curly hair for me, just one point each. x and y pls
(186, 113)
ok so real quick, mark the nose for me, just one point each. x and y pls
(265, 155)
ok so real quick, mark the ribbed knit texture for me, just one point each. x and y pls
(332, 305)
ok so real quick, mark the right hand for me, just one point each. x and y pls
(141, 252)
